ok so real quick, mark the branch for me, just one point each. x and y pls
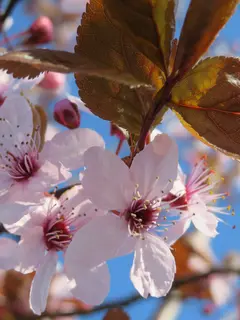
(123, 303)
(132, 299)
(197, 277)
(11, 5)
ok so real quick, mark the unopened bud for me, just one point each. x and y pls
(67, 114)
(41, 31)
(53, 81)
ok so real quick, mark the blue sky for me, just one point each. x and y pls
(121, 285)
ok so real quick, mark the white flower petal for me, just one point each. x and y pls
(41, 283)
(20, 85)
(174, 232)
(101, 239)
(67, 147)
(92, 285)
(155, 168)
(18, 113)
(106, 180)
(31, 250)
(8, 253)
(153, 267)
(12, 212)
(203, 220)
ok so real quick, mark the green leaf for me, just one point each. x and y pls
(99, 39)
(203, 21)
(207, 101)
(31, 63)
(150, 24)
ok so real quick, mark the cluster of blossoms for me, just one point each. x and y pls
(115, 209)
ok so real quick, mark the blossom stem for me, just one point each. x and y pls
(120, 143)
(6, 40)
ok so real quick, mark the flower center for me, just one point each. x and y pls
(176, 201)
(57, 235)
(21, 168)
(19, 152)
(141, 216)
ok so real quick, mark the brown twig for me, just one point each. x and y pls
(132, 299)
(10, 7)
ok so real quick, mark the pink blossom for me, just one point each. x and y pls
(134, 223)
(194, 200)
(53, 81)
(45, 230)
(26, 172)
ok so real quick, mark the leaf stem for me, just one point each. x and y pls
(161, 99)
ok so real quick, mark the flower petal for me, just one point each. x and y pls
(155, 168)
(203, 220)
(153, 267)
(8, 253)
(20, 85)
(47, 176)
(92, 285)
(31, 250)
(5, 184)
(179, 188)
(12, 212)
(106, 180)
(174, 232)
(33, 217)
(68, 147)
(41, 283)
(207, 224)
(17, 112)
(108, 237)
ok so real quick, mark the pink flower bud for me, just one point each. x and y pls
(41, 31)
(52, 81)
(67, 114)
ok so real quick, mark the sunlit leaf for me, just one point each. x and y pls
(207, 101)
(203, 21)
(31, 63)
(164, 17)
(99, 39)
(150, 24)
